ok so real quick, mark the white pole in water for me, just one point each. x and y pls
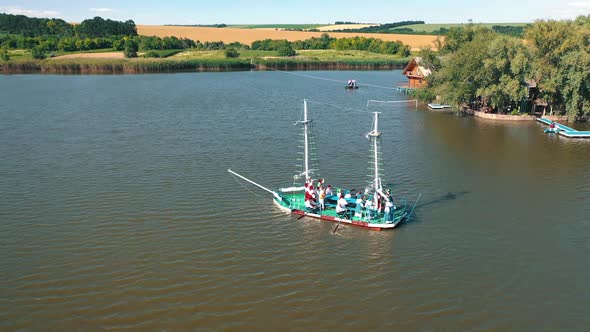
(305, 142)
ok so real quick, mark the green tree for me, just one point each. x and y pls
(4, 55)
(504, 72)
(286, 50)
(460, 75)
(231, 53)
(130, 50)
(38, 53)
(560, 50)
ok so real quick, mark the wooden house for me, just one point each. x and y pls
(416, 73)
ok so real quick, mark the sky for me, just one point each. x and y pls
(301, 11)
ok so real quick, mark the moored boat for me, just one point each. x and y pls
(438, 106)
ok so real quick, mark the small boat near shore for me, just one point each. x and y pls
(551, 130)
(373, 207)
(562, 130)
(438, 106)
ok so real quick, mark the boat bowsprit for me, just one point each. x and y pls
(372, 207)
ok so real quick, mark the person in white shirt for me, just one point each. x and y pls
(341, 206)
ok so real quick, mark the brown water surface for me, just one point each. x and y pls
(117, 212)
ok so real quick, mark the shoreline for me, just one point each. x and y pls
(144, 66)
(150, 65)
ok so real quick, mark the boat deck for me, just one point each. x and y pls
(565, 130)
(367, 218)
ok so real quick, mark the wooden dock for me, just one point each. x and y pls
(565, 130)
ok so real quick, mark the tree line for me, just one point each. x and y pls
(382, 28)
(325, 42)
(480, 68)
(96, 27)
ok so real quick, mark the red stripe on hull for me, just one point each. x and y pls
(334, 219)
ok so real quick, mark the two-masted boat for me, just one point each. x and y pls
(372, 207)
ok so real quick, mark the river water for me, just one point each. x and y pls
(117, 211)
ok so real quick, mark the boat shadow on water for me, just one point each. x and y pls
(449, 196)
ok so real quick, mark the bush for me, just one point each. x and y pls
(151, 54)
(286, 50)
(4, 55)
(130, 48)
(37, 53)
(231, 53)
(160, 53)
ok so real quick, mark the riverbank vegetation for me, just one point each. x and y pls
(36, 43)
(482, 69)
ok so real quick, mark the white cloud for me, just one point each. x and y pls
(570, 11)
(579, 4)
(102, 10)
(16, 10)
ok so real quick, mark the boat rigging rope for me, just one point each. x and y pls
(323, 78)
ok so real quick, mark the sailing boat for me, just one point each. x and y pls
(372, 208)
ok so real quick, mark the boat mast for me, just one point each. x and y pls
(375, 135)
(305, 123)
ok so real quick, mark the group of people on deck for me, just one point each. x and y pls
(352, 83)
(315, 199)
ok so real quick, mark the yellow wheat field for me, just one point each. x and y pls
(247, 36)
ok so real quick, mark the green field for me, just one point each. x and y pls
(276, 26)
(429, 28)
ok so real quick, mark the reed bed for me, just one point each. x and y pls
(159, 65)
(122, 66)
(346, 64)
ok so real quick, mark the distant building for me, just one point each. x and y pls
(416, 73)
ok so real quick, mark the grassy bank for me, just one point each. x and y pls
(207, 61)
(119, 66)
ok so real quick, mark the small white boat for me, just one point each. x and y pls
(438, 106)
